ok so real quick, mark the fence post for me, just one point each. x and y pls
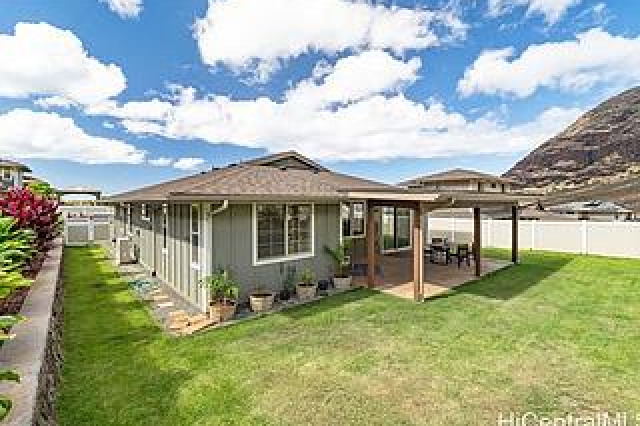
(533, 234)
(91, 231)
(453, 228)
(584, 249)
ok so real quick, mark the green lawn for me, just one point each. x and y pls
(557, 334)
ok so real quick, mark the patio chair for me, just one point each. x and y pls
(463, 254)
(439, 249)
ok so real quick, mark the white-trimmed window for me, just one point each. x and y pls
(146, 215)
(396, 228)
(283, 231)
(353, 216)
(195, 236)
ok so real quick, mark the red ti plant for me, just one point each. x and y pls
(34, 212)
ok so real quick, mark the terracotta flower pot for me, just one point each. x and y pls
(261, 302)
(342, 283)
(306, 292)
(222, 312)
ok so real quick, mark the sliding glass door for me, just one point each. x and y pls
(396, 228)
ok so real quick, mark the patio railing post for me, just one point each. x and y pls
(418, 255)
(514, 234)
(371, 247)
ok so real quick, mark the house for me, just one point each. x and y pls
(593, 210)
(12, 174)
(461, 180)
(259, 217)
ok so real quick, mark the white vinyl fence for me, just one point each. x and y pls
(614, 238)
(85, 225)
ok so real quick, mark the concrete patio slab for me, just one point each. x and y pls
(396, 275)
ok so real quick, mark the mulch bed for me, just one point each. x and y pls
(12, 304)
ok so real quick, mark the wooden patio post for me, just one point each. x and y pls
(371, 247)
(418, 255)
(514, 234)
(477, 244)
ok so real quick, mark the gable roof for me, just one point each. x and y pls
(455, 175)
(286, 175)
(14, 165)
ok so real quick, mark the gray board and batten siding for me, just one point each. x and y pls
(226, 240)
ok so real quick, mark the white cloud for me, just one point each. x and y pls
(594, 57)
(160, 161)
(42, 60)
(256, 34)
(356, 77)
(154, 109)
(125, 8)
(47, 135)
(552, 10)
(188, 163)
(378, 127)
(341, 112)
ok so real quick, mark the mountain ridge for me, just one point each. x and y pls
(601, 147)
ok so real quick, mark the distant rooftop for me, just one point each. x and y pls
(592, 206)
(457, 175)
(14, 165)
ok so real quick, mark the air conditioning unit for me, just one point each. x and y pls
(123, 251)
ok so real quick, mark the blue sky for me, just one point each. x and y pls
(120, 93)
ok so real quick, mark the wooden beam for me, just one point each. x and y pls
(477, 244)
(392, 203)
(418, 255)
(371, 247)
(514, 234)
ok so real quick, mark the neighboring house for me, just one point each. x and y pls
(593, 210)
(461, 180)
(12, 174)
(260, 217)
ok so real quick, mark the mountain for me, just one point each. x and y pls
(600, 149)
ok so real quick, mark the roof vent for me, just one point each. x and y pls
(283, 168)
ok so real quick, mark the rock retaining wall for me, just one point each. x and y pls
(36, 351)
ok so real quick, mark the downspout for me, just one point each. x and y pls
(223, 207)
(208, 241)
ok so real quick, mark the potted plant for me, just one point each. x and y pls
(288, 284)
(306, 288)
(341, 265)
(261, 300)
(223, 292)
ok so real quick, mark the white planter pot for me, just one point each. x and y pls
(306, 292)
(261, 302)
(342, 283)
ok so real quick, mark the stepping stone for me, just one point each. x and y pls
(197, 318)
(165, 305)
(197, 326)
(178, 325)
(160, 297)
